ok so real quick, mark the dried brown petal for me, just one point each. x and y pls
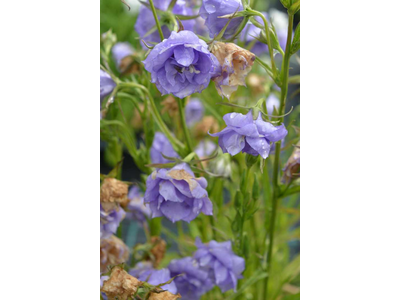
(112, 192)
(130, 65)
(236, 63)
(183, 175)
(113, 251)
(120, 284)
(292, 167)
(170, 106)
(158, 250)
(208, 124)
(164, 296)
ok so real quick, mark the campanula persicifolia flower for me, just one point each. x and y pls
(193, 282)
(194, 111)
(145, 23)
(212, 9)
(109, 221)
(107, 85)
(223, 265)
(235, 64)
(113, 251)
(176, 194)
(153, 276)
(244, 134)
(161, 145)
(136, 209)
(181, 65)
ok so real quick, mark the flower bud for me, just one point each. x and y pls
(120, 285)
(251, 160)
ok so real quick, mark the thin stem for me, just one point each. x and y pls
(275, 186)
(178, 145)
(153, 9)
(270, 49)
(184, 126)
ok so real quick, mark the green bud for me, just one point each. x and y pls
(250, 160)
(295, 7)
(286, 3)
(108, 39)
(239, 201)
(256, 190)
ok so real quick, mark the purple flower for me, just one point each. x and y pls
(107, 85)
(223, 265)
(181, 64)
(109, 221)
(194, 111)
(161, 145)
(272, 101)
(205, 148)
(193, 282)
(243, 134)
(177, 194)
(145, 22)
(120, 51)
(136, 209)
(212, 9)
(152, 276)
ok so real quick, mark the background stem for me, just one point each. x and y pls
(153, 9)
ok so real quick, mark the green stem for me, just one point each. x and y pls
(270, 49)
(176, 143)
(184, 126)
(275, 186)
(153, 9)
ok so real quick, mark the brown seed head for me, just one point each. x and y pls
(112, 192)
(120, 284)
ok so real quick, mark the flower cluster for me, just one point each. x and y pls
(181, 65)
(176, 194)
(243, 134)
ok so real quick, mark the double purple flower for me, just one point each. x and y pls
(194, 111)
(136, 209)
(145, 22)
(176, 194)
(109, 221)
(212, 9)
(222, 264)
(193, 282)
(243, 134)
(144, 272)
(181, 65)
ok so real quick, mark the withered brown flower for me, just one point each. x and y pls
(112, 192)
(236, 63)
(120, 284)
(158, 250)
(207, 124)
(113, 251)
(292, 167)
(165, 295)
(170, 106)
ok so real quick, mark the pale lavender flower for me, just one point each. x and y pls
(212, 9)
(120, 51)
(205, 148)
(194, 111)
(107, 85)
(243, 134)
(109, 221)
(193, 282)
(145, 21)
(176, 194)
(223, 265)
(161, 145)
(145, 272)
(136, 209)
(181, 65)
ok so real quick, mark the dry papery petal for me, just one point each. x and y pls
(183, 175)
(113, 191)
(120, 284)
(236, 63)
(158, 250)
(292, 167)
(113, 251)
(164, 296)
(207, 124)
(170, 106)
